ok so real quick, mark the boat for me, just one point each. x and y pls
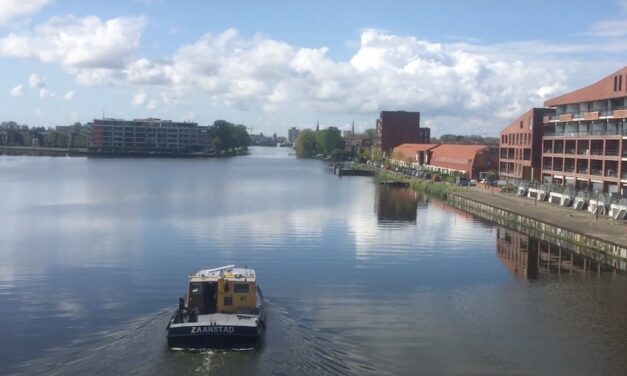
(223, 308)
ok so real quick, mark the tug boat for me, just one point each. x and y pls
(223, 308)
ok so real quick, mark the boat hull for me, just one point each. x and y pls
(214, 336)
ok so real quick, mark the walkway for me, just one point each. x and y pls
(580, 221)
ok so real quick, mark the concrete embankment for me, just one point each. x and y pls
(604, 239)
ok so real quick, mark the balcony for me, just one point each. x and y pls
(597, 152)
(582, 171)
(570, 151)
(596, 172)
(624, 176)
(547, 167)
(611, 174)
(611, 152)
(569, 169)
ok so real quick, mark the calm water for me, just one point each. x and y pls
(360, 280)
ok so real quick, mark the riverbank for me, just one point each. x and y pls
(579, 227)
(47, 151)
(602, 235)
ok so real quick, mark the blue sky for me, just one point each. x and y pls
(470, 67)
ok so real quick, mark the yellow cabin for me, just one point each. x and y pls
(223, 290)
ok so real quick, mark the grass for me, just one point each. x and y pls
(440, 190)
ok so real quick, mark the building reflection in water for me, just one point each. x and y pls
(529, 257)
(395, 204)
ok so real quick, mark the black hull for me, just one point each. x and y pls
(215, 337)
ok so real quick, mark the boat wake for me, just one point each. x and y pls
(290, 346)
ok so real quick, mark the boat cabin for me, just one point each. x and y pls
(223, 290)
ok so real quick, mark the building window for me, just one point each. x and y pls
(241, 288)
(228, 300)
(521, 124)
(615, 83)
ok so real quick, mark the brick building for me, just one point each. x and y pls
(585, 141)
(400, 127)
(469, 160)
(520, 151)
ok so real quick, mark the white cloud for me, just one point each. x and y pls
(140, 99)
(17, 91)
(152, 104)
(459, 87)
(14, 9)
(44, 94)
(36, 81)
(608, 29)
(69, 95)
(78, 43)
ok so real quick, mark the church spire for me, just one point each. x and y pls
(317, 125)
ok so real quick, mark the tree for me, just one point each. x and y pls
(329, 139)
(227, 136)
(305, 144)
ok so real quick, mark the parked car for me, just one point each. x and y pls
(472, 182)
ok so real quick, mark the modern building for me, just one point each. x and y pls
(292, 133)
(148, 136)
(585, 141)
(468, 160)
(520, 154)
(400, 127)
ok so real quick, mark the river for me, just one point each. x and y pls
(359, 279)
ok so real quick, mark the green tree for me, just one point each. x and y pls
(227, 136)
(305, 144)
(329, 139)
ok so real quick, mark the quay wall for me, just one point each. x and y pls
(605, 251)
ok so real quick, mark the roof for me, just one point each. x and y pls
(229, 272)
(600, 90)
(454, 156)
(410, 150)
(527, 120)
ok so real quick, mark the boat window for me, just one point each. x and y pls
(228, 300)
(241, 288)
(195, 288)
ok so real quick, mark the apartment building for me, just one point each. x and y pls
(520, 153)
(147, 136)
(584, 143)
(400, 127)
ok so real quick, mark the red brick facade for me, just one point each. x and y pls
(400, 127)
(520, 147)
(585, 142)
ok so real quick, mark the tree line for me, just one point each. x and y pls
(327, 142)
(226, 136)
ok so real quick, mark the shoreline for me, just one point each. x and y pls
(604, 237)
(84, 152)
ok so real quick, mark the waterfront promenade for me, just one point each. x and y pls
(580, 221)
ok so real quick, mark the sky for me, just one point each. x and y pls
(469, 67)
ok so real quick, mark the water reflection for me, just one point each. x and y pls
(95, 254)
(395, 204)
(527, 257)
